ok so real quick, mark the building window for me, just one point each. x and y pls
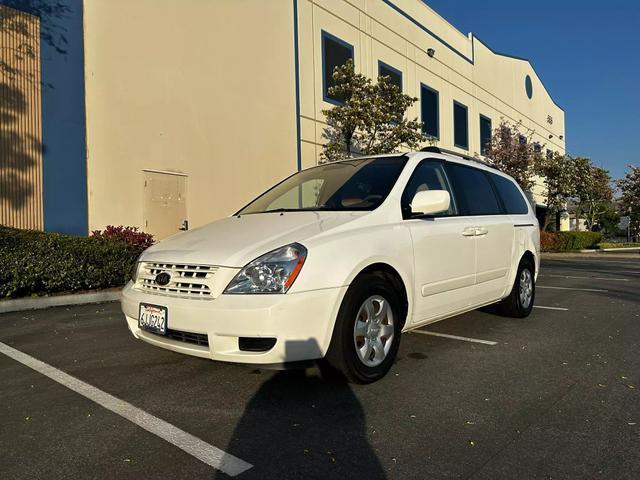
(395, 75)
(485, 134)
(549, 154)
(460, 125)
(522, 140)
(335, 53)
(429, 109)
(537, 147)
(528, 87)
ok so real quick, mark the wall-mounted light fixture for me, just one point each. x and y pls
(550, 137)
(431, 52)
(561, 137)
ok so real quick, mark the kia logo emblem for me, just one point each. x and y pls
(163, 279)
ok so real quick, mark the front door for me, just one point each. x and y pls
(444, 250)
(165, 208)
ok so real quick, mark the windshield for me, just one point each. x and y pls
(360, 184)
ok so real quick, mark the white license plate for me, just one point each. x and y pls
(153, 318)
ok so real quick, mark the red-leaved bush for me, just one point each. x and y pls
(128, 235)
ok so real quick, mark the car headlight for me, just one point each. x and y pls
(273, 272)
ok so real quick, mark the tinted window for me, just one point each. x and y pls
(395, 76)
(335, 53)
(522, 140)
(474, 193)
(429, 111)
(360, 184)
(460, 126)
(512, 199)
(485, 134)
(426, 176)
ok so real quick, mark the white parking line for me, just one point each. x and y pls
(569, 288)
(552, 308)
(192, 445)
(456, 337)
(587, 278)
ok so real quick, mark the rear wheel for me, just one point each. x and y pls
(519, 303)
(366, 336)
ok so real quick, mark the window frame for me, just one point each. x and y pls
(487, 175)
(324, 35)
(466, 109)
(382, 65)
(483, 146)
(437, 94)
(442, 164)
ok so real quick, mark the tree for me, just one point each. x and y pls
(558, 177)
(630, 199)
(371, 120)
(593, 194)
(512, 152)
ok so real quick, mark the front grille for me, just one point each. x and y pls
(188, 337)
(187, 281)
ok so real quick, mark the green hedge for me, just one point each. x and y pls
(37, 263)
(569, 241)
(618, 245)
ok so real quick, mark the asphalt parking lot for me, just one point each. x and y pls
(556, 395)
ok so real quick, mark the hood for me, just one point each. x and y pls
(235, 241)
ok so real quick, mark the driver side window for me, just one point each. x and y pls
(428, 175)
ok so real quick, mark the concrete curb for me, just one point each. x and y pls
(20, 304)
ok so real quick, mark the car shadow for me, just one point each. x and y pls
(300, 425)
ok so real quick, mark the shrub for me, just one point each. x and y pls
(38, 263)
(569, 241)
(129, 235)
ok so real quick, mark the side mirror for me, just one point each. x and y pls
(429, 202)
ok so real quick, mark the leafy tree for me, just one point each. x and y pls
(371, 120)
(630, 199)
(609, 222)
(558, 177)
(593, 194)
(512, 152)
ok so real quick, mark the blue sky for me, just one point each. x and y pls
(588, 56)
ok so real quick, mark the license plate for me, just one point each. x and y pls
(153, 318)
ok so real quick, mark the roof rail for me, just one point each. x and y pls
(434, 149)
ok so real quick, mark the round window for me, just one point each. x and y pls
(528, 86)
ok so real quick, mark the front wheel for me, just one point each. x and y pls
(366, 336)
(519, 303)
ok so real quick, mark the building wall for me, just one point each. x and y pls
(464, 69)
(202, 88)
(63, 148)
(229, 93)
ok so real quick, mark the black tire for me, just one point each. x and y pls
(512, 306)
(342, 355)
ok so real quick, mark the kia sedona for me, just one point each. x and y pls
(336, 262)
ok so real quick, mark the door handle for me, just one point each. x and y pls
(481, 231)
(470, 231)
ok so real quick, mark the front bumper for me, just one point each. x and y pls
(301, 323)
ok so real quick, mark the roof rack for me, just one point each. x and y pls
(434, 149)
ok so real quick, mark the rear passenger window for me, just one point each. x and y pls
(474, 192)
(512, 199)
(427, 176)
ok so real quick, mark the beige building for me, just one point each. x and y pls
(194, 107)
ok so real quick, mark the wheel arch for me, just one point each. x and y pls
(394, 277)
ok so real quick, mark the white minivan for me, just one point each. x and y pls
(336, 261)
